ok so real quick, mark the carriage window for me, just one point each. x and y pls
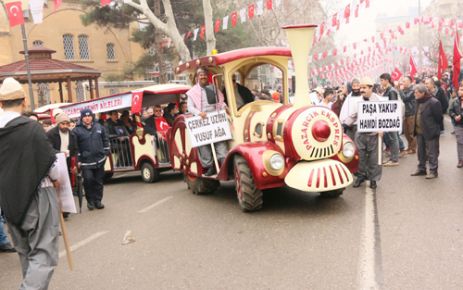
(266, 83)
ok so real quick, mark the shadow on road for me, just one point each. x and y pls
(286, 200)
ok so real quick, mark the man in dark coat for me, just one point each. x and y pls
(93, 144)
(391, 138)
(410, 110)
(439, 94)
(27, 195)
(428, 119)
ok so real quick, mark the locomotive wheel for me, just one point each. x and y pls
(332, 193)
(201, 186)
(148, 173)
(249, 197)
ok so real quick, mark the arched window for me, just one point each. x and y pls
(68, 43)
(110, 51)
(83, 46)
(37, 43)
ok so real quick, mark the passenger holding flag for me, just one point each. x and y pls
(203, 99)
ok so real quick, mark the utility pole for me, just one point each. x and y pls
(28, 67)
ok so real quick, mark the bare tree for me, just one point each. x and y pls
(210, 36)
(169, 27)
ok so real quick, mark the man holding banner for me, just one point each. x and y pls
(367, 143)
(203, 99)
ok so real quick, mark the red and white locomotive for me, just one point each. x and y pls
(274, 143)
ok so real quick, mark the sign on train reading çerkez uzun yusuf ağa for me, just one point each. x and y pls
(385, 116)
(214, 128)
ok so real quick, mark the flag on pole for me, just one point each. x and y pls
(443, 62)
(412, 68)
(15, 13)
(456, 61)
(105, 2)
(36, 7)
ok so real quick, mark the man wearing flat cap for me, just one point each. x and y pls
(27, 196)
(93, 147)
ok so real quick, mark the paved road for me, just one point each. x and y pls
(407, 235)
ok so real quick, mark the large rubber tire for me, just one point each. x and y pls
(249, 197)
(201, 186)
(332, 193)
(148, 173)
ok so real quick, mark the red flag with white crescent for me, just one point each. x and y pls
(161, 125)
(234, 18)
(251, 8)
(396, 74)
(137, 100)
(15, 13)
(218, 22)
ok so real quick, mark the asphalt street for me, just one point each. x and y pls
(406, 235)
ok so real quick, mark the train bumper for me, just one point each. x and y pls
(319, 176)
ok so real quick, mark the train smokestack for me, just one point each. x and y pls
(300, 38)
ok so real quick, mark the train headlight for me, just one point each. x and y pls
(274, 162)
(347, 153)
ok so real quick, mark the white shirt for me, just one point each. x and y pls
(64, 142)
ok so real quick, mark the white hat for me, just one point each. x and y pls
(367, 81)
(11, 90)
(61, 117)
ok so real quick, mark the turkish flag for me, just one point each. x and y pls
(347, 13)
(396, 74)
(269, 4)
(15, 13)
(356, 13)
(251, 11)
(137, 100)
(57, 4)
(443, 62)
(412, 68)
(217, 25)
(334, 20)
(161, 125)
(367, 3)
(234, 18)
(105, 2)
(456, 61)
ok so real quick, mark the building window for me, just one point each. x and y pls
(37, 43)
(80, 91)
(43, 93)
(83, 47)
(68, 42)
(110, 51)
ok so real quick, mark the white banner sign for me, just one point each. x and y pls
(214, 128)
(65, 191)
(100, 105)
(379, 116)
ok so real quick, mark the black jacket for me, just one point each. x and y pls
(391, 93)
(442, 98)
(408, 97)
(26, 158)
(55, 140)
(455, 110)
(431, 117)
(92, 144)
(116, 129)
